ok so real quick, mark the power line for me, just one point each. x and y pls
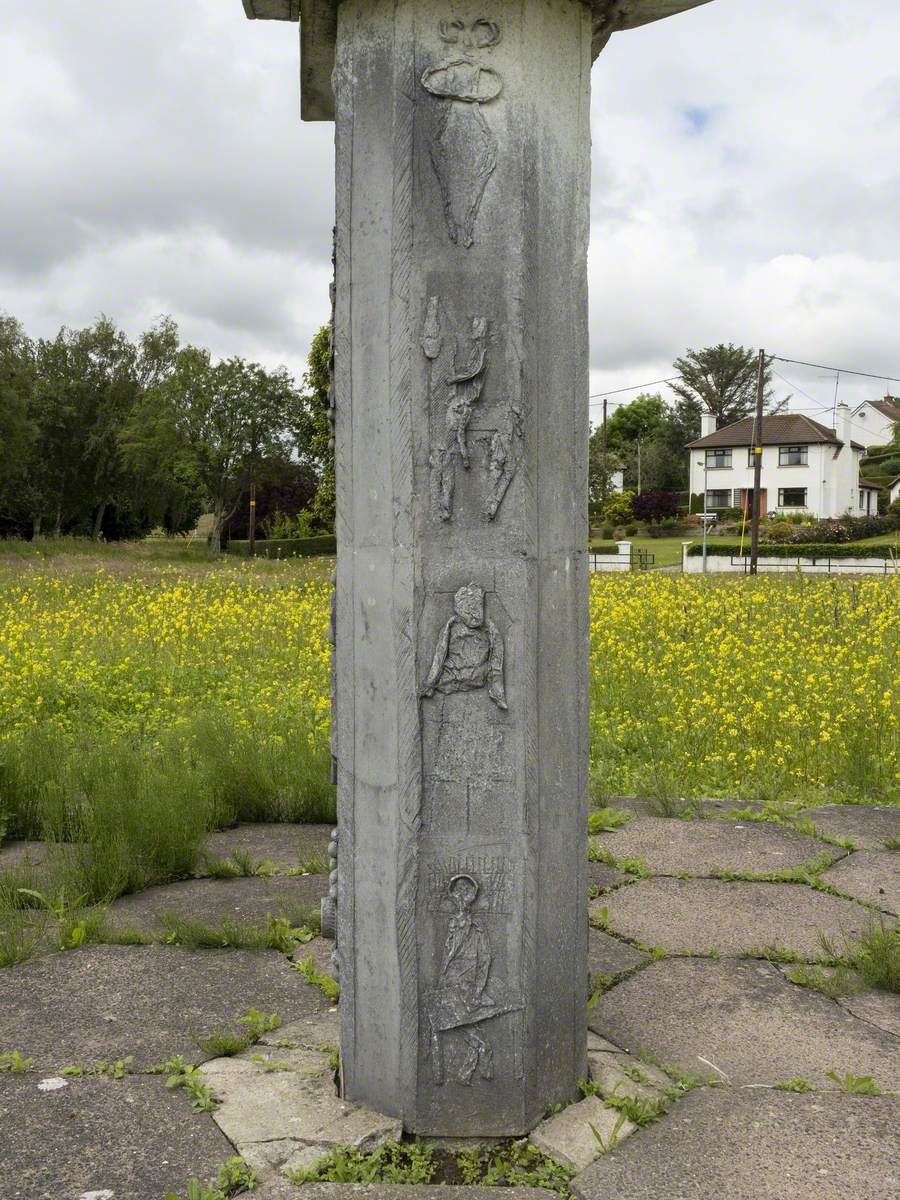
(636, 388)
(839, 370)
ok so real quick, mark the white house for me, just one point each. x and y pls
(874, 421)
(894, 489)
(806, 467)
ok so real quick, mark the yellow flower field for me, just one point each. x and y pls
(770, 688)
(773, 689)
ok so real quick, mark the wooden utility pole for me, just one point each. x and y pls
(605, 456)
(757, 461)
(252, 519)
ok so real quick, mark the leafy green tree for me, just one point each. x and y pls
(315, 443)
(721, 380)
(17, 427)
(216, 426)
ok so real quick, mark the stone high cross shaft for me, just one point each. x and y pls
(461, 611)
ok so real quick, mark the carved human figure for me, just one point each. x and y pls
(503, 460)
(469, 652)
(466, 386)
(463, 149)
(461, 1001)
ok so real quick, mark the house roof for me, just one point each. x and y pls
(888, 407)
(783, 429)
(867, 483)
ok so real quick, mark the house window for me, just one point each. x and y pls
(718, 460)
(792, 497)
(793, 456)
(751, 457)
(720, 498)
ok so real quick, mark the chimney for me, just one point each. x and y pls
(707, 424)
(842, 425)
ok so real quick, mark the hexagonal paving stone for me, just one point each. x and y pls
(603, 877)
(733, 918)
(608, 956)
(122, 1138)
(106, 1002)
(878, 1008)
(757, 1145)
(671, 847)
(284, 845)
(741, 1021)
(869, 875)
(867, 825)
(213, 900)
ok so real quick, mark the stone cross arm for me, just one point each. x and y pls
(318, 35)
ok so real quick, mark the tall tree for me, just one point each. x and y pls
(721, 380)
(315, 444)
(216, 426)
(18, 430)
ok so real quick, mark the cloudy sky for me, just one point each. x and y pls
(746, 183)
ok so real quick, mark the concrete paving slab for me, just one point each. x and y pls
(757, 1145)
(603, 877)
(213, 900)
(620, 1075)
(741, 1022)
(21, 855)
(731, 917)
(129, 1139)
(284, 845)
(671, 847)
(608, 956)
(868, 825)
(878, 1008)
(577, 1135)
(106, 1002)
(275, 1102)
(870, 875)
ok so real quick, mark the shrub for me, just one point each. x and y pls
(293, 547)
(608, 530)
(618, 510)
(655, 506)
(798, 550)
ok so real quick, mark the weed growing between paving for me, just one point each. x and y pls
(872, 960)
(394, 1162)
(233, 1177)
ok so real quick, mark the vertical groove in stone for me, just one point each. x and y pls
(345, 577)
(409, 772)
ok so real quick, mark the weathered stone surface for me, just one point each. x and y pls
(741, 1022)
(757, 1145)
(608, 956)
(213, 900)
(321, 950)
(284, 845)
(461, 660)
(877, 1007)
(731, 917)
(867, 825)
(869, 875)
(570, 1137)
(106, 1002)
(670, 847)
(620, 1075)
(603, 877)
(275, 1102)
(130, 1138)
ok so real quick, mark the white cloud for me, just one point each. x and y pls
(746, 174)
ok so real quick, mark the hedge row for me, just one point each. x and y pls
(804, 550)
(310, 547)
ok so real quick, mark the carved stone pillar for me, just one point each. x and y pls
(461, 401)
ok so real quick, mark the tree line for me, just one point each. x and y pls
(647, 438)
(105, 436)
